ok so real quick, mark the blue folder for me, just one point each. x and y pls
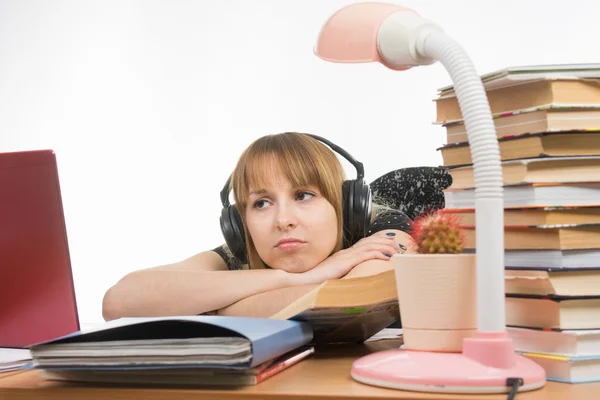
(269, 338)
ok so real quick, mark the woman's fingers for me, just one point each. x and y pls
(373, 255)
(383, 241)
(383, 250)
(373, 244)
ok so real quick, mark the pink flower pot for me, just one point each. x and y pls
(438, 303)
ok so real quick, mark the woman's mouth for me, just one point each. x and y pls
(290, 244)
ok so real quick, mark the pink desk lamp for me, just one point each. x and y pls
(399, 38)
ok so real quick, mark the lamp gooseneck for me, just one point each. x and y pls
(405, 39)
(489, 215)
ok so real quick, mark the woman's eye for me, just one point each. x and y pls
(304, 195)
(260, 204)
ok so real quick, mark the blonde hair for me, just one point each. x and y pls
(303, 161)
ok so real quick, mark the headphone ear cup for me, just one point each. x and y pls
(232, 228)
(357, 210)
(347, 206)
(362, 207)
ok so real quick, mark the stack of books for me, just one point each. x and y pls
(187, 350)
(547, 120)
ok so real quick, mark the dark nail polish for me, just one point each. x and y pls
(403, 247)
(391, 233)
(387, 255)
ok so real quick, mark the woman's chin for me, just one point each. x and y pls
(296, 265)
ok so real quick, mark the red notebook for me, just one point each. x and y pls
(37, 299)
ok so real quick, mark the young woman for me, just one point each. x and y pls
(288, 191)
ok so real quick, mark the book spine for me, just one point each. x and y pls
(281, 342)
(283, 365)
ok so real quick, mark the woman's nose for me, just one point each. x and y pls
(285, 217)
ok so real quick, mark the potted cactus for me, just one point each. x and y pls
(436, 286)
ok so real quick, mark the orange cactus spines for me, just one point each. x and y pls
(438, 232)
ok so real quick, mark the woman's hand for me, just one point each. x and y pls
(380, 246)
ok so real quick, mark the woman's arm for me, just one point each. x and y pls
(203, 283)
(264, 305)
(194, 286)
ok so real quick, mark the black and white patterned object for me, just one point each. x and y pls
(390, 219)
(414, 190)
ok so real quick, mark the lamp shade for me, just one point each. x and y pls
(350, 35)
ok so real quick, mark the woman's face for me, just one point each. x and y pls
(293, 228)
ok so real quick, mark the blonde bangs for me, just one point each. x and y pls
(302, 164)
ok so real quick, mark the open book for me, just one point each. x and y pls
(347, 310)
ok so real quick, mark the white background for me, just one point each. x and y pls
(148, 104)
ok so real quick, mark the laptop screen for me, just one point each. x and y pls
(37, 298)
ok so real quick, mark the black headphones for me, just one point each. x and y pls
(356, 209)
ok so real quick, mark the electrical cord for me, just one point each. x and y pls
(514, 384)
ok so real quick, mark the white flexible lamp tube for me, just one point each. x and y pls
(399, 38)
(423, 43)
(488, 180)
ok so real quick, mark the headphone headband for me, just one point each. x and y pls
(360, 171)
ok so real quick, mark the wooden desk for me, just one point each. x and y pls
(323, 376)
(10, 373)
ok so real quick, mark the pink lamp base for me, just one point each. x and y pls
(483, 367)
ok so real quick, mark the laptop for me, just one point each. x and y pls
(37, 296)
